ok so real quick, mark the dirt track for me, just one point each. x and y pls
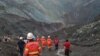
(9, 49)
(76, 51)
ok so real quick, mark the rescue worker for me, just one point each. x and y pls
(56, 42)
(20, 46)
(38, 39)
(32, 48)
(49, 43)
(43, 42)
(67, 45)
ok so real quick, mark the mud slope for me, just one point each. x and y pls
(15, 25)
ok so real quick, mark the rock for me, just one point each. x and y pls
(97, 39)
(0, 40)
(0, 48)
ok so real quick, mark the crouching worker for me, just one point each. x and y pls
(32, 48)
(67, 45)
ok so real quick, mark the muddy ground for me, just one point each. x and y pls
(9, 49)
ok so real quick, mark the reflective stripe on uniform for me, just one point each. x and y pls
(39, 48)
(26, 49)
(49, 46)
(34, 52)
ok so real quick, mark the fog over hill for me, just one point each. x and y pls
(40, 12)
(53, 10)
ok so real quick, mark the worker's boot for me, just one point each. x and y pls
(43, 48)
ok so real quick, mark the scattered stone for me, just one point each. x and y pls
(97, 39)
(93, 35)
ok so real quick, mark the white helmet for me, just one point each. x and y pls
(21, 38)
(49, 36)
(43, 36)
(30, 35)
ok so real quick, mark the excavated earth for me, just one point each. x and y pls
(9, 49)
(85, 42)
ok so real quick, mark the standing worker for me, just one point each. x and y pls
(43, 42)
(67, 45)
(20, 46)
(56, 42)
(38, 39)
(32, 48)
(49, 43)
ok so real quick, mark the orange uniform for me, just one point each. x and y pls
(49, 42)
(43, 42)
(32, 49)
(38, 40)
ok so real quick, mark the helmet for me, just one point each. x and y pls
(21, 38)
(30, 35)
(48, 36)
(43, 37)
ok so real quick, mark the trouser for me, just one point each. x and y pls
(56, 46)
(49, 47)
(36, 55)
(67, 51)
(21, 53)
(43, 46)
